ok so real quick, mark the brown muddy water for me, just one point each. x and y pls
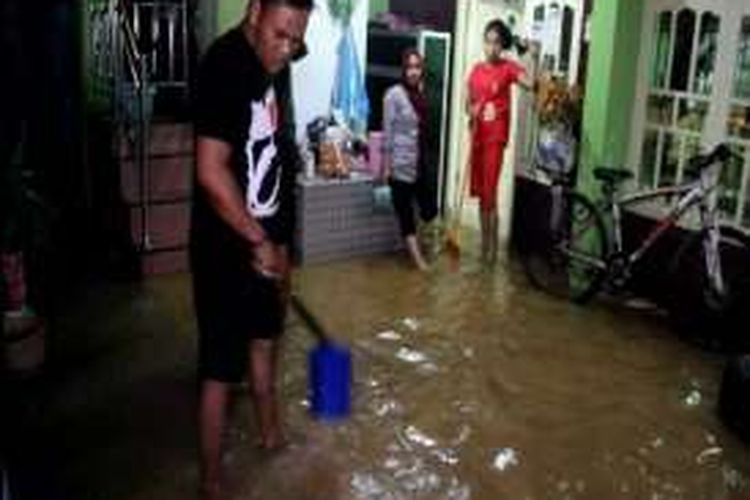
(468, 385)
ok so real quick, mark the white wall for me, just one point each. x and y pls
(313, 77)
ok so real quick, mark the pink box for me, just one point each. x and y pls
(375, 146)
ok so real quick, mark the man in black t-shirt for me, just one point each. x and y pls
(243, 214)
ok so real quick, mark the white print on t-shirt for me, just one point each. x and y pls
(262, 167)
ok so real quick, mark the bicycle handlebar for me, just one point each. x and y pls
(720, 154)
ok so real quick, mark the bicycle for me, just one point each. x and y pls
(580, 254)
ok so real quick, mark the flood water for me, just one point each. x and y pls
(468, 385)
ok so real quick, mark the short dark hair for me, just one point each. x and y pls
(504, 34)
(296, 4)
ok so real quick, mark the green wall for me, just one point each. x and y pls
(610, 86)
(230, 12)
(378, 6)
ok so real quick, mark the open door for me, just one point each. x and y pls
(472, 15)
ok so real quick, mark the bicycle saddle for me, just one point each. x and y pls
(612, 175)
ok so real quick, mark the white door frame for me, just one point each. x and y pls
(471, 16)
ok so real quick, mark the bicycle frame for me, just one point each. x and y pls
(586, 236)
(690, 194)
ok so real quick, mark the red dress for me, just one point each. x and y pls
(489, 89)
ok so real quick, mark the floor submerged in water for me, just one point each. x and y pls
(468, 385)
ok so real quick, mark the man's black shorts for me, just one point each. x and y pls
(233, 305)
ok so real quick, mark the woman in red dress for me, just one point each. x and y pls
(489, 103)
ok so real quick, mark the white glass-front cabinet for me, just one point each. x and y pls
(694, 92)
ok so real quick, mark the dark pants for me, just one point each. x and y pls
(405, 195)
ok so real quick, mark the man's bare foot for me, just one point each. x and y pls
(272, 441)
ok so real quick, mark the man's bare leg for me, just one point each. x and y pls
(263, 361)
(212, 416)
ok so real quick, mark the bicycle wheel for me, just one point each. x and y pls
(695, 307)
(570, 261)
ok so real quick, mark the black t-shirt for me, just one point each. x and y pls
(239, 103)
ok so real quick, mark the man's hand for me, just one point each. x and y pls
(268, 260)
(284, 260)
(285, 283)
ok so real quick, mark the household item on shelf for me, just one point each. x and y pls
(338, 134)
(316, 129)
(308, 159)
(359, 163)
(336, 151)
(332, 160)
(339, 152)
(556, 147)
(556, 101)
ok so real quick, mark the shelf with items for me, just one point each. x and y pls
(340, 218)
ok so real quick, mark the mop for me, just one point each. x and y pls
(329, 370)
(452, 235)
